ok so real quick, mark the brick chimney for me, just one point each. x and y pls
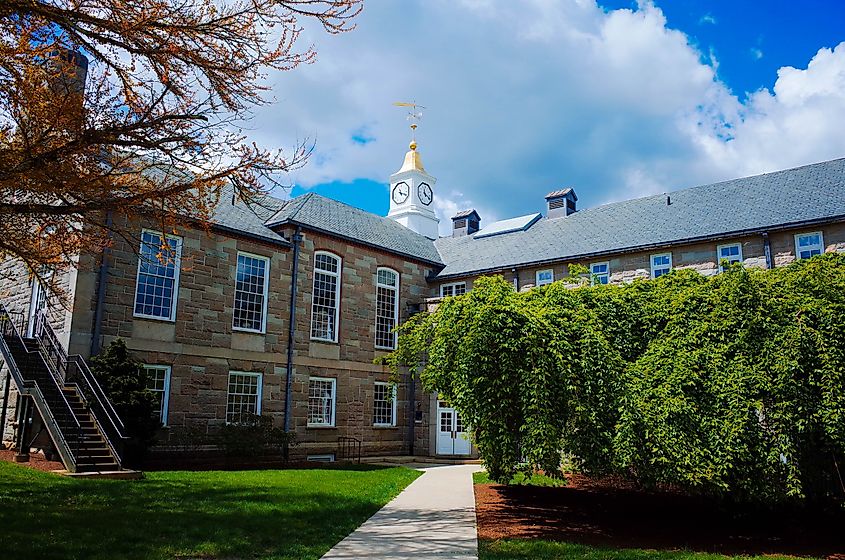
(465, 223)
(561, 203)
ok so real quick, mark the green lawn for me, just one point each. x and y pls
(242, 514)
(535, 549)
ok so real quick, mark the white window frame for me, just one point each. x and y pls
(338, 276)
(800, 235)
(454, 286)
(334, 403)
(177, 270)
(258, 395)
(165, 398)
(266, 292)
(719, 257)
(538, 282)
(654, 268)
(395, 307)
(392, 423)
(593, 274)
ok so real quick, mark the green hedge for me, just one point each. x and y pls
(733, 384)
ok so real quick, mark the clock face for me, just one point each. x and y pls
(425, 194)
(401, 192)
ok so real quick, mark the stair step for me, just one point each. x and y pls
(99, 467)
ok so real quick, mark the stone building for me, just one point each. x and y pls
(282, 308)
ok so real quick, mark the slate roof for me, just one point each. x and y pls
(465, 214)
(804, 195)
(336, 218)
(247, 219)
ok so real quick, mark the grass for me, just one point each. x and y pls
(288, 514)
(521, 480)
(536, 549)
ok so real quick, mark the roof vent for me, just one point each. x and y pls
(561, 203)
(465, 223)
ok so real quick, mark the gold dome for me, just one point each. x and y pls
(413, 161)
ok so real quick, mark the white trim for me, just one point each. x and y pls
(798, 250)
(395, 308)
(321, 458)
(266, 294)
(538, 282)
(165, 398)
(454, 286)
(593, 274)
(719, 257)
(334, 403)
(337, 294)
(392, 424)
(177, 263)
(259, 390)
(653, 268)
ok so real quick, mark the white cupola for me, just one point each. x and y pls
(412, 195)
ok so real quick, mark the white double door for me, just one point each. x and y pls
(452, 438)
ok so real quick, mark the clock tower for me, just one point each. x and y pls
(412, 194)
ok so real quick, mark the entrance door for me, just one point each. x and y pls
(37, 304)
(452, 438)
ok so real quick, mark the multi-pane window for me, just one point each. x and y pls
(809, 244)
(456, 289)
(251, 280)
(384, 404)
(545, 277)
(661, 264)
(325, 301)
(158, 276)
(600, 273)
(387, 307)
(158, 382)
(244, 395)
(321, 401)
(731, 253)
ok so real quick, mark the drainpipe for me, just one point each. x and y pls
(297, 239)
(412, 411)
(767, 248)
(101, 293)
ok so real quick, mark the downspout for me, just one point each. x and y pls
(412, 401)
(101, 293)
(767, 249)
(297, 239)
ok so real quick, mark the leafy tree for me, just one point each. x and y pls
(156, 130)
(124, 380)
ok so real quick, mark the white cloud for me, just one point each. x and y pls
(524, 98)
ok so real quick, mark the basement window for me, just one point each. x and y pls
(599, 273)
(809, 245)
(661, 264)
(731, 253)
(545, 277)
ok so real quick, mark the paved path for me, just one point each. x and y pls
(432, 518)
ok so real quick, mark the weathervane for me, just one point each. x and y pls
(414, 115)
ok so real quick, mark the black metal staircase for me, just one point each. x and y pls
(81, 421)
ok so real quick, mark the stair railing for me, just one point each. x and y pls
(47, 395)
(74, 370)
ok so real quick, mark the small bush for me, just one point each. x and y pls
(254, 435)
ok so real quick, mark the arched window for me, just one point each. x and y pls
(387, 307)
(325, 300)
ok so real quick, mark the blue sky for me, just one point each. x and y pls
(617, 99)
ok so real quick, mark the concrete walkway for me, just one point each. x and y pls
(432, 518)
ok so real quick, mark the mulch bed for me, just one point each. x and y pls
(36, 461)
(616, 514)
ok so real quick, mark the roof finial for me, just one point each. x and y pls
(414, 114)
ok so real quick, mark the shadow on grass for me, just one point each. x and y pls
(256, 514)
(632, 519)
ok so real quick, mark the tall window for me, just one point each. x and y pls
(321, 401)
(731, 253)
(387, 307)
(384, 404)
(545, 277)
(599, 273)
(809, 245)
(244, 395)
(455, 289)
(158, 276)
(325, 301)
(158, 381)
(661, 264)
(251, 281)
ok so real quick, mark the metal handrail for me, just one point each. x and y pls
(31, 387)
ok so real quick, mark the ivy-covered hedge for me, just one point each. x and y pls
(733, 384)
